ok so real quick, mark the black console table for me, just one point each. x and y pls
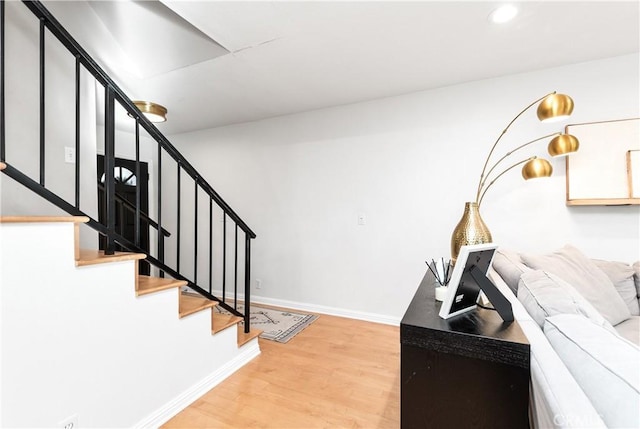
(470, 371)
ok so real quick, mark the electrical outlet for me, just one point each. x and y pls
(70, 422)
(69, 155)
(362, 219)
(258, 284)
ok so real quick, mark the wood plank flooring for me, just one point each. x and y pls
(337, 373)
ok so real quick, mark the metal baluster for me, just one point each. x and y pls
(2, 115)
(136, 226)
(210, 245)
(160, 242)
(109, 163)
(178, 204)
(224, 257)
(235, 270)
(77, 131)
(42, 97)
(247, 282)
(195, 235)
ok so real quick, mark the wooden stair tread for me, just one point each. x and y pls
(93, 257)
(3, 165)
(245, 338)
(223, 321)
(191, 304)
(43, 219)
(147, 284)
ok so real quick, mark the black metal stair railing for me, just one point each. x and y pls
(165, 153)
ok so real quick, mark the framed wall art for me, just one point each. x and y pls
(606, 168)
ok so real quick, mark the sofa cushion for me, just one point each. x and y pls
(605, 366)
(630, 330)
(557, 401)
(510, 267)
(580, 272)
(636, 277)
(622, 277)
(544, 294)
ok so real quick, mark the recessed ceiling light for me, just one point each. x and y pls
(503, 14)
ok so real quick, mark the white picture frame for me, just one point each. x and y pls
(462, 293)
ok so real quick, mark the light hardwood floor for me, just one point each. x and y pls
(337, 373)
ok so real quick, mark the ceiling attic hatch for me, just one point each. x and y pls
(153, 37)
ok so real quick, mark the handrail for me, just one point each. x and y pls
(132, 208)
(92, 67)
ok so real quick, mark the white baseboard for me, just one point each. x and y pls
(173, 407)
(322, 309)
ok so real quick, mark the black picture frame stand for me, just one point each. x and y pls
(499, 301)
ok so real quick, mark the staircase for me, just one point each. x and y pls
(86, 340)
(83, 334)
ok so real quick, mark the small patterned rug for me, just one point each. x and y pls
(276, 325)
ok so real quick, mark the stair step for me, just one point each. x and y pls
(93, 257)
(3, 165)
(76, 220)
(191, 304)
(245, 338)
(223, 321)
(43, 219)
(147, 284)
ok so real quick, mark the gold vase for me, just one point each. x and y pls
(470, 230)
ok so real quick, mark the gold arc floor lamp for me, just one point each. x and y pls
(553, 107)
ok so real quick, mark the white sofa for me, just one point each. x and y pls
(585, 370)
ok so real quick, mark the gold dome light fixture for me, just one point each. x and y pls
(471, 229)
(153, 111)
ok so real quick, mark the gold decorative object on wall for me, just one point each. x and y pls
(471, 229)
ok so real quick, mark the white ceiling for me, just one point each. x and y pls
(176, 43)
(288, 57)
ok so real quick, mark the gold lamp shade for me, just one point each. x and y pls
(536, 168)
(562, 145)
(153, 111)
(555, 107)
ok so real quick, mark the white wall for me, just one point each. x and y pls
(408, 164)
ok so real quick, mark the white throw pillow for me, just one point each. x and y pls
(510, 267)
(604, 365)
(544, 294)
(621, 275)
(630, 330)
(580, 272)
